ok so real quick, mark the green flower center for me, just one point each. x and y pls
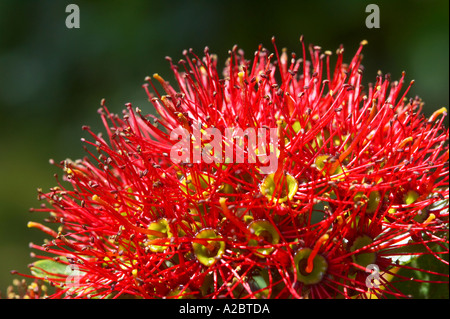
(208, 251)
(363, 259)
(410, 197)
(324, 164)
(161, 226)
(371, 202)
(320, 267)
(283, 189)
(267, 234)
(197, 184)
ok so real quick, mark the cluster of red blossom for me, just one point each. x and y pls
(360, 188)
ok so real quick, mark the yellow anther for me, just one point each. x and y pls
(158, 78)
(184, 121)
(98, 200)
(430, 218)
(434, 116)
(43, 228)
(405, 141)
(33, 286)
(241, 77)
(203, 70)
(32, 224)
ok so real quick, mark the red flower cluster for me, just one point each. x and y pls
(361, 180)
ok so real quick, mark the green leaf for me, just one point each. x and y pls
(50, 269)
(424, 290)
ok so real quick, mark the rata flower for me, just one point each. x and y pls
(280, 177)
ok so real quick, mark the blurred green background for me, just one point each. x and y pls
(53, 78)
